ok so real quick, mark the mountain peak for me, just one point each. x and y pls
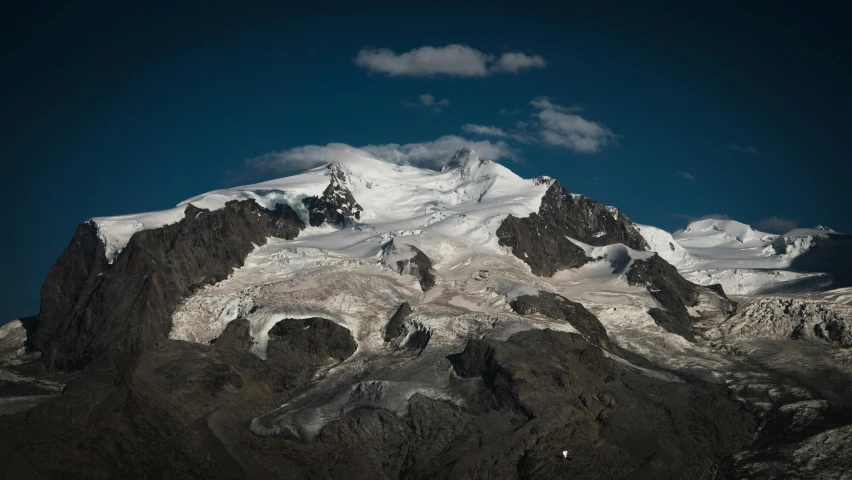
(462, 158)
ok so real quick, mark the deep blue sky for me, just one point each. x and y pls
(116, 109)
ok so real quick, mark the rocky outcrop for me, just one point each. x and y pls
(580, 402)
(181, 411)
(420, 266)
(558, 307)
(336, 204)
(407, 259)
(314, 340)
(675, 294)
(396, 324)
(780, 318)
(236, 336)
(542, 239)
(90, 307)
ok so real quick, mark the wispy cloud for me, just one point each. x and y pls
(544, 103)
(777, 224)
(692, 218)
(507, 112)
(515, 62)
(560, 127)
(430, 154)
(748, 150)
(452, 60)
(686, 175)
(490, 131)
(427, 100)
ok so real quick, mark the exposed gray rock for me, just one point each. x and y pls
(613, 421)
(315, 340)
(90, 307)
(541, 240)
(336, 204)
(558, 307)
(236, 336)
(675, 294)
(396, 324)
(419, 338)
(418, 265)
(297, 346)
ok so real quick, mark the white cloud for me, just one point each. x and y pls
(521, 124)
(433, 154)
(490, 131)
(427, 100)
(571, 131)
(485, 130)
(506, 112)
(544, 103)
(749, 150)
(686, 175)
(514, 62)
(777, 224)
(711, 216)
(453, 60)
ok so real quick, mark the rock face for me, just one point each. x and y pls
(336, 204)
(674, 293)
(782, 318)
(579, 401)
(237, 336)
(541, 240)
(315, 340)
(182, 410)
(407, 259)
(396, 324)
(558, 307)
(90, 306)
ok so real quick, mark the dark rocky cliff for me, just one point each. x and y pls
(541, 240)
(90, 307)
(675, 294)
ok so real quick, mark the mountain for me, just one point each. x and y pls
(370, 320)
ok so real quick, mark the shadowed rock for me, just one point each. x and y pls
(675, 294)
(236, 336)
(297, 346)
(614, 421)
(335, 204)
(541, 239)
(396, 324)
(420, 266)
(90, 307)
(558, 307)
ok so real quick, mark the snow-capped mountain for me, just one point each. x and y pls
(403, 321)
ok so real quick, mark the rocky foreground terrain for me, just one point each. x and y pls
(365, 320)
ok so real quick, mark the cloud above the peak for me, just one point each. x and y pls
(515, 62)
(451, 60)
(692, 218)
(428, 100)
(432, 154)
(562, 127)
(776, 224)
(491, 131)
(544, 103)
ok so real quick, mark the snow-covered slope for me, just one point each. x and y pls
(747, 261)
(467, 199)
